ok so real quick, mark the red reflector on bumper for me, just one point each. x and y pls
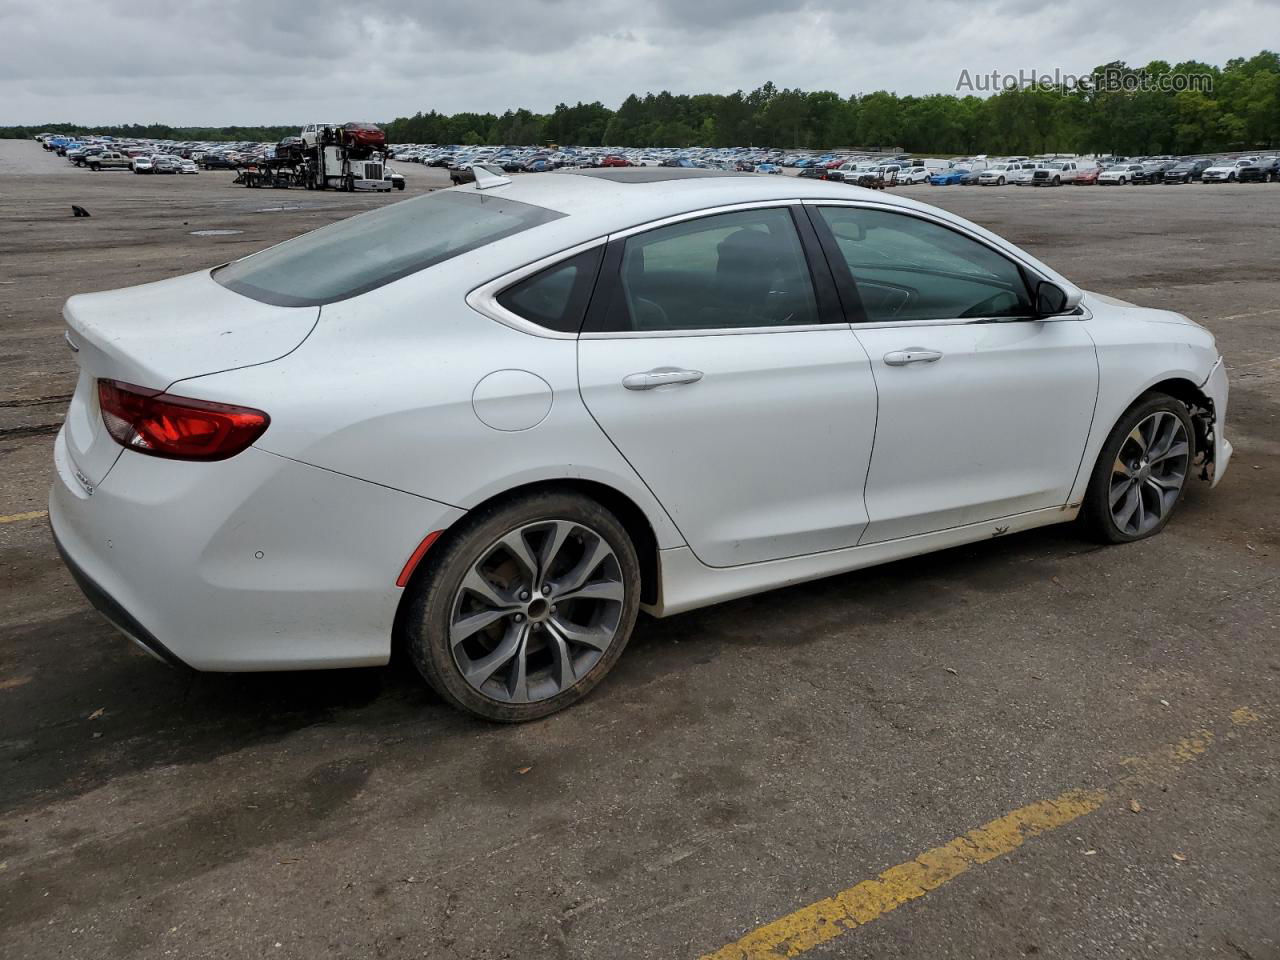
(418, 554)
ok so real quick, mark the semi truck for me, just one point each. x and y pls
(346, 157)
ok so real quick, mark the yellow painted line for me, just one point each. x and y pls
(33, 515)
(835, 916)
(827, 919)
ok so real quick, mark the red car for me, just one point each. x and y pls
(1087, 178)
(613, 160)
(363, 134)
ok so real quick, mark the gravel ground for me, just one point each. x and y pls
(741, 762)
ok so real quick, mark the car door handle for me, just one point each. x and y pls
(900, 358)
(660, 377)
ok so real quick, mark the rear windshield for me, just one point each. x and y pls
(352, 256)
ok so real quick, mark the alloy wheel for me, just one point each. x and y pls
(537, 611)
(1149, 472)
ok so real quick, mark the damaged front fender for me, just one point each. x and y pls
(1209, 417)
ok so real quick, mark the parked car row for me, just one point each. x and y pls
(97, 158)
(142, 155)
(166, 156)
(1173, 170)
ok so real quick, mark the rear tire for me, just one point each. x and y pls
(482, 624)
(1141, 472)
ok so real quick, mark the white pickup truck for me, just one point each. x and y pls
(1056, 172)
(1004, 171)
(1020, 172)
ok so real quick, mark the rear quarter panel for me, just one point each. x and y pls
(385, 390)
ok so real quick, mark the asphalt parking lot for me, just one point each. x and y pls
(1030, 747)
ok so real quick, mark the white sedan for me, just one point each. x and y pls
(492, 423)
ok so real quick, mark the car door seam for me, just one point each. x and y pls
(577, 365)
(875, 431)
(1093, 417)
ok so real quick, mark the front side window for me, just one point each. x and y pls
(363, 252)
(906, 268)
(743, 269)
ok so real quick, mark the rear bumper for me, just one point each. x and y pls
(116, 615)
(252, 563)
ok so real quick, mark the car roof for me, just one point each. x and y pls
(596, 205)
(598, 202)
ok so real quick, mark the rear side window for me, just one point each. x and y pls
(556, 298)
(364, 252)
(730, 270)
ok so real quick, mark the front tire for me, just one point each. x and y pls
(526, 606)
(1141, 471)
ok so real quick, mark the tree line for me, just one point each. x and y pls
(1238, 108)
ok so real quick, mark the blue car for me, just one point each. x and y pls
(768, 168)
(949, 177)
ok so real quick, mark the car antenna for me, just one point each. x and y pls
(486, 179)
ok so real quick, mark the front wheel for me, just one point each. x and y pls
(1141, 472)
(526, 607)
(1000, 182)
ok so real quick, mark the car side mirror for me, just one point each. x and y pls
(1053, 301)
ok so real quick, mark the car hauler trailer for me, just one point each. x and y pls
(326, 157)
(349, 157)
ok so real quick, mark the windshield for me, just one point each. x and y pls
(356, 255)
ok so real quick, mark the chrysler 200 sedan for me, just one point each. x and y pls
(491, 423)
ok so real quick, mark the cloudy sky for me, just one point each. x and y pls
(216, 62)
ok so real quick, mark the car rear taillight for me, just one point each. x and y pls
(179, 428)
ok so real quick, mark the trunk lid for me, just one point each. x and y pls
(157, 334)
